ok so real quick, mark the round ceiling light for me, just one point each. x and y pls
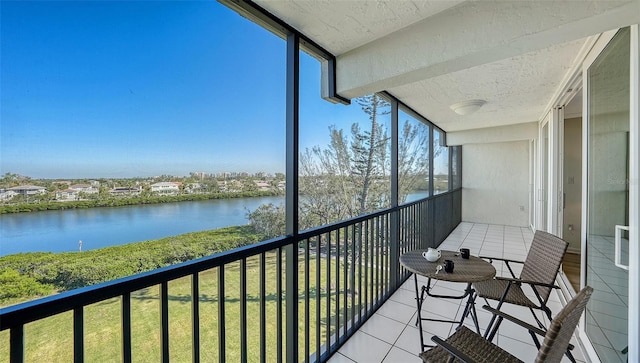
(467, 107)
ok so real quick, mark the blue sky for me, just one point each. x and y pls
(123, 89)
(93, 89)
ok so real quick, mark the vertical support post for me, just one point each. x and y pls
(164, 320)
(243, 310)
(78, 334)
(195, 316)
(431, 158)
(126, 327)
(16, 344)
(291, 250)
(263, 308)
(394, 246)
(307, 310)
(431, 230)
(452, 155)
(222, 343)
(279, 306)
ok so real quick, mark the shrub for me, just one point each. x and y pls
(29, 275)
(15, 286)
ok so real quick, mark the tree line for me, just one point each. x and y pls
(351, 175)
(129, 200)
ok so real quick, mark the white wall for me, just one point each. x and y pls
(495, 182)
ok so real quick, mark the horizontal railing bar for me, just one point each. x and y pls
(348, 222)
(34, 310)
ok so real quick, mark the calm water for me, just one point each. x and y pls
(60, 231)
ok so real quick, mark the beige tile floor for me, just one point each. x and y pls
(391, 335)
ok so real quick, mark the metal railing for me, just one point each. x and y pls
(343, 273)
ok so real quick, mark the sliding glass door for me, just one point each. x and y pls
(607, 213)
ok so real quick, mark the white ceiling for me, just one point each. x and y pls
(516, 55)
(340, 26)
(517, 89)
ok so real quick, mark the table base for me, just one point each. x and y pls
(470, 307)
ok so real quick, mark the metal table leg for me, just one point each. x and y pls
(470, 307)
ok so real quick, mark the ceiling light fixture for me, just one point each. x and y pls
(467, 107)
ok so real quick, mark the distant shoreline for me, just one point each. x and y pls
(129, 201)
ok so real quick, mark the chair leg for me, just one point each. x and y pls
(547, 311)
(489, 334)
(540, 323)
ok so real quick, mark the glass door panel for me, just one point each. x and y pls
(608, 196)
(545, 177)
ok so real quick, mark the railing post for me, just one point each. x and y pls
(195, 317)
(16, 343)
(394, 244)
(164, 321)
(394, 250)
(126, 327)
(78, 334)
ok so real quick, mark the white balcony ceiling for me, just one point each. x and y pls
(516, 55)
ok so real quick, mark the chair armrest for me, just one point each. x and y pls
(523, 324)
(515, 320)
(500, 259)
(452, 350)
(506, 261)
(529, 282)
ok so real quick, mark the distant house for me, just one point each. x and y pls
(126, 191)
(263, 185)
(192, 188)
(73, 192)
(84, 188)
(7, 194)
(165, 187)
(28, 190)
(67, 195)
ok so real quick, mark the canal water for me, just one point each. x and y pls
(62, 231)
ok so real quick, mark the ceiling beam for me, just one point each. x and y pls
(517, 132)
(472, 34)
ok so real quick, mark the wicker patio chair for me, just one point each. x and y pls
(466, 346)
(539, 271)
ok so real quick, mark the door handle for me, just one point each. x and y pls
(618, 249)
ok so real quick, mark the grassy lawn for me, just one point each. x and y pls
(51, 339)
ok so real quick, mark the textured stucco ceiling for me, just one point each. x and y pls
(340, 26)
(517, 89)
(516, 55)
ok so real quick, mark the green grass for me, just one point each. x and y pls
(51, 340)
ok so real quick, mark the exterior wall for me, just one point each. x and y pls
(495, 182)
(165, 187)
